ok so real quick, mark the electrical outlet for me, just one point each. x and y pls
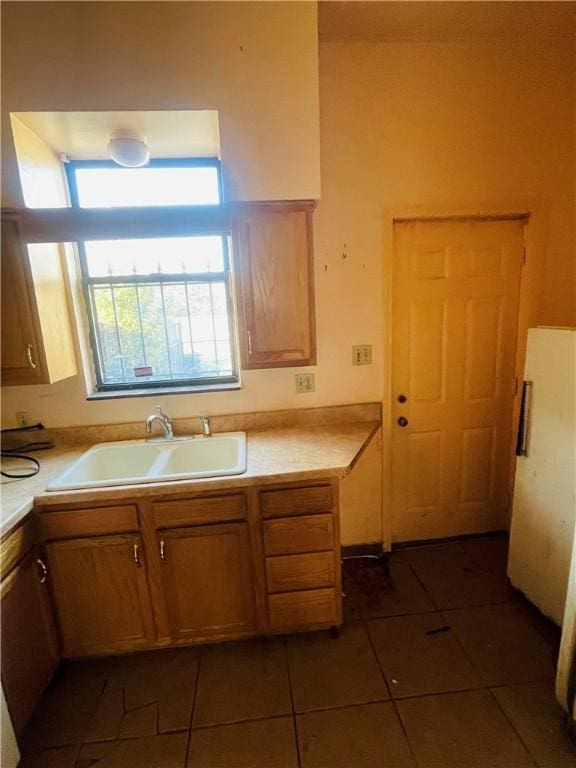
(22, 418)
(305, 382)
(362, 354)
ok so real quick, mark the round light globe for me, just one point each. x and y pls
(129, 152)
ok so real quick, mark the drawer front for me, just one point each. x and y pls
(215, 509)
(288, 573)
(296, 535)
(95, 521)
(292, 610)
(16, 544)
(296, 501)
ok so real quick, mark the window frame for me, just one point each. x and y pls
(143, 388)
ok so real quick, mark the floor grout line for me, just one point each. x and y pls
(404, 731)
(511, 724)
(294, 720)
(193, 707)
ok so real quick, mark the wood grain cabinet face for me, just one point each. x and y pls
(100, 593)
(37, 342)
(207, 578)
(286, 535)
(29, 644)
(275, 289)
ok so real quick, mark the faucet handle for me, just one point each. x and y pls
(206, 429)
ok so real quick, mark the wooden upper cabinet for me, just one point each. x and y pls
(275, 287)
(37, 343)
(29, 644)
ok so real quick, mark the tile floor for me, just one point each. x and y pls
(440, 664)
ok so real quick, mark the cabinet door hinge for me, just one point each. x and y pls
(523, 262)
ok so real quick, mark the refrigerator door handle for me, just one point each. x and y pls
(524, 426)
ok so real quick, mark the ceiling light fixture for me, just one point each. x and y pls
(128, 149)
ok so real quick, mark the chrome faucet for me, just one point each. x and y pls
(206, 429)
(164, 420)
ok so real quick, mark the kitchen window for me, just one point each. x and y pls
(159, 309)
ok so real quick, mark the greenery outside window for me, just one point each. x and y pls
(159, 309)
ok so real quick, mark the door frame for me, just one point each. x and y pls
(534, 215)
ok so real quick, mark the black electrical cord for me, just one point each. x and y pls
(22, 474)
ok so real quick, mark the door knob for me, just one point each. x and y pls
(403, 421)
(402, 398)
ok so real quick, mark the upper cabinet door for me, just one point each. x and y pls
(37, 341)
(275, 288)
(22, 358)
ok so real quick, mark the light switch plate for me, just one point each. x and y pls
(362, 354)
(305, 382)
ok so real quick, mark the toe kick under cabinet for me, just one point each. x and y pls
(173, 570)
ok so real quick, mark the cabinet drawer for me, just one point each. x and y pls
(95, 521)
(16, 544)
(296, 501)
(292, 535)
(299, 609)
(291, 572)
(215, 509)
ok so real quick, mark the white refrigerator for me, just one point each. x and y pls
(541, 556)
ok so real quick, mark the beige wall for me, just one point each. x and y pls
(445, 126)
(256, 63)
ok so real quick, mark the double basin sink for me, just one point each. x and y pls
(153, 461)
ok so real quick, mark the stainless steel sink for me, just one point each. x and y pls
(138, 461)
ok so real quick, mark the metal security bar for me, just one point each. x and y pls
(149, 331)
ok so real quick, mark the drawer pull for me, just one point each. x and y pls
(163, 551)
(43, 570)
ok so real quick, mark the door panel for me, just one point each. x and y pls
(101, 594)
(427, 344)
(456, 292)
(22, 357)
(29, 645)
(275, 289)
(207, 580)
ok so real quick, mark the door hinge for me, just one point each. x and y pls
(523, 262)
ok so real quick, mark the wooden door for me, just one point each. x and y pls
(207, 576)
(29, 644)
(275, 289)
(101, 594)
(22, 353)
(456, 292)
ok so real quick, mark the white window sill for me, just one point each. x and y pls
(156, 391)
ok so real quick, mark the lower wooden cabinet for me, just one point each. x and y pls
(100, 593)
(207, 579)
(29, 644)
(164, 571)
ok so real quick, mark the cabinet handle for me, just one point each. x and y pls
(137, 556)
(43, 570)
(30, 356)
(249, 343)
(163, 551)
